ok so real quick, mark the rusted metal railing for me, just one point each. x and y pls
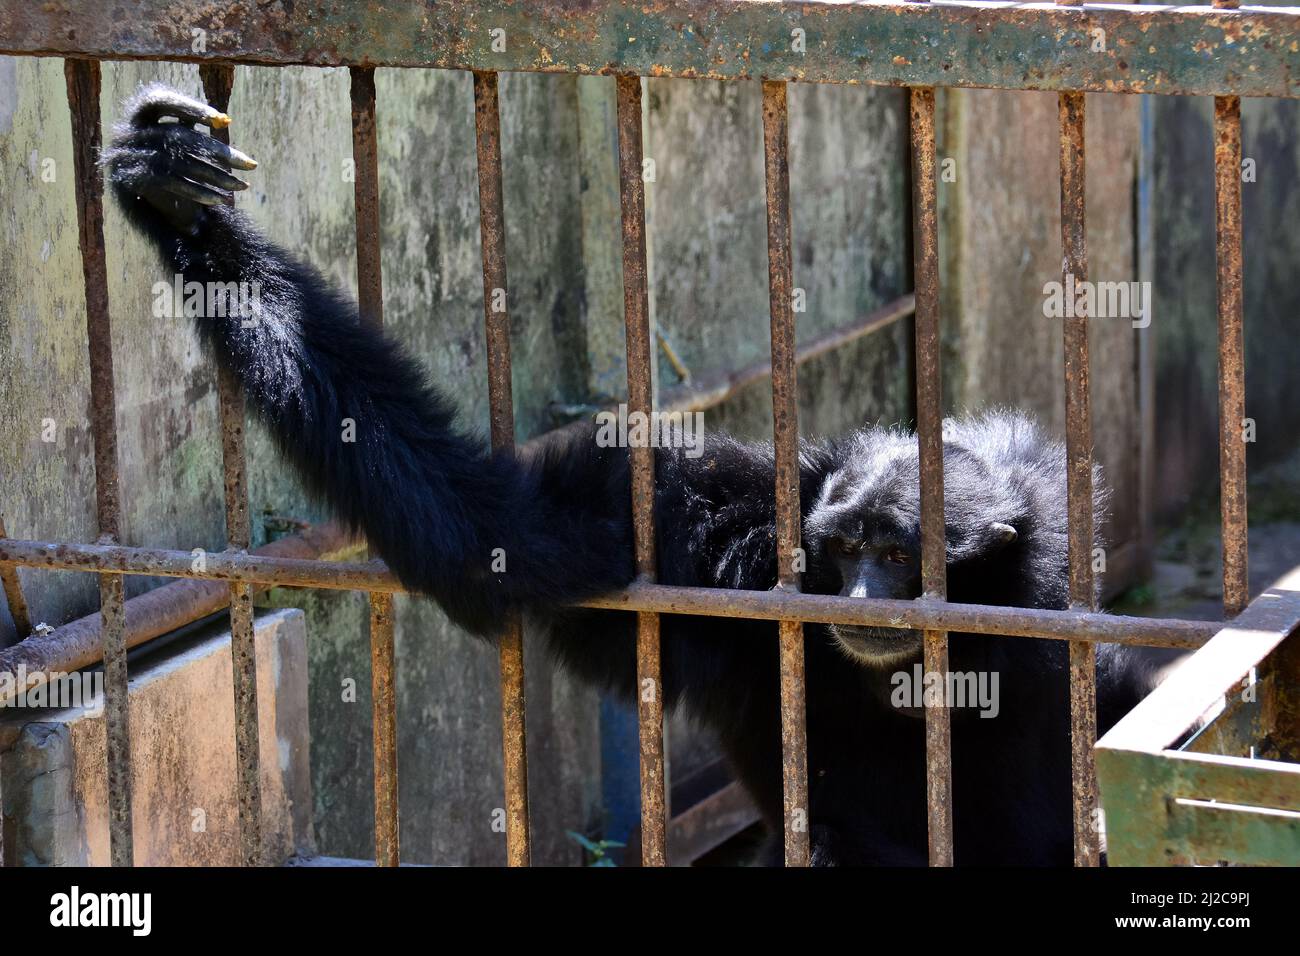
(83, 80)
(1232, 363)
(785, 424)
(370, 301)
(640, 400)
(218, 84)
(967, 43)
(496, 318)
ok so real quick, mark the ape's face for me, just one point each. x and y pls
(863, 536)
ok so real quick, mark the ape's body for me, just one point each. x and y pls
(437, 508)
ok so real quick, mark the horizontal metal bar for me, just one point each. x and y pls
(665, 599)
(710, 823)
(1032, 46)
(711, 390)
(79, 643)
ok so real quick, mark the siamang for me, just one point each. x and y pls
(443, 512)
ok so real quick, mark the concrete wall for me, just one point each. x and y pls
(54, 778)
(1000, 243)
(1187, 324)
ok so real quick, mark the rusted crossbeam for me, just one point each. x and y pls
(654, 598)
(967, 43)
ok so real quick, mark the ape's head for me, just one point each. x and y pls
(1002, 515)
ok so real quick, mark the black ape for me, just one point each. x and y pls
(437, 507)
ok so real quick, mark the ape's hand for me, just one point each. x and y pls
(172, 166)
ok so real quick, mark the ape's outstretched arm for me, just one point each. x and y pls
(353, 411)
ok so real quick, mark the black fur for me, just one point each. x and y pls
(436, 504)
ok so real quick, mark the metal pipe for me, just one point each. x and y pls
(218, 81)
(1232, 364)
(1184, 50)
(785, 423)
(370, 302)
(83, 83)
(383, 696)
(78, 643)
(1079, 467)
(636, 315)
(13, 591)
(709, 391)
(984, 619)
(496, 321)
(641, 596)
(929, 436)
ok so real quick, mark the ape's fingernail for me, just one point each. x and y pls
(219, 121)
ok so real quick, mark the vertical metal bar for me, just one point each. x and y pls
(1079, 465)
(1232, 364)
(383, 693)
(496, 320)
(370, 300)
(785, 418)
(83, 82)
(929, 435)
(13, 591)
(218, 81)
(636, 314)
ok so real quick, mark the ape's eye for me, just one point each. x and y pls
(897, 556)
(846, 547)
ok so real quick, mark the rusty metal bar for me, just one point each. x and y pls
(383, 693)
(13, 591)
(1079, 467)
(785, 421)
(1232, 364)
(496, 321)
(712, 390)
(218, 81)
(967, 43)
(929, 435)
(83, 82)
(370, 300)
(640, 389)
(78, 643)
(777, 605)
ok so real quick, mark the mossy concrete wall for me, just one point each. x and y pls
(1000, 243)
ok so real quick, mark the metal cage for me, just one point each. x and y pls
(1222, 51)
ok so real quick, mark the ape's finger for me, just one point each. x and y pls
(195, 192)
(207, 174)
(156, 102)
(207, 148)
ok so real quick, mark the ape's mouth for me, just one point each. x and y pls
(878, 646)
